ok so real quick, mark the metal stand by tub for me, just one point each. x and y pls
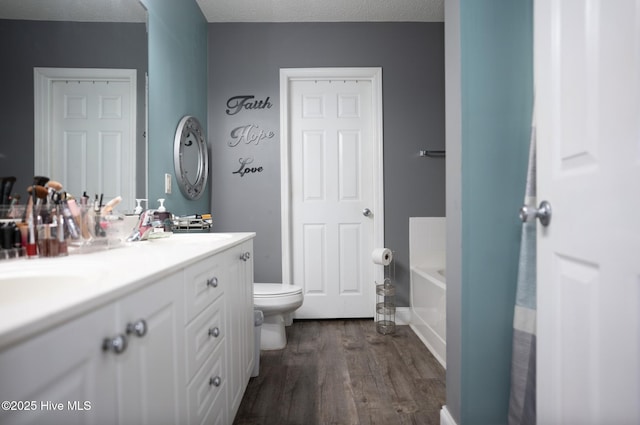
(386, 302)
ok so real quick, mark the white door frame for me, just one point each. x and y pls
(43, 95)
(373, 75)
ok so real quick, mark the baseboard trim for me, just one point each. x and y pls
(445, 417)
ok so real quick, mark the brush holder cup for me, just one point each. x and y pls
(97, 231)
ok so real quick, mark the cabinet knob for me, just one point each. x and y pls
(138, 328)
(117, 344)
(214, 332)
(245, 256)
(213, 282)
(215, 381)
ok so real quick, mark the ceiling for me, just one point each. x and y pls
(232, 10)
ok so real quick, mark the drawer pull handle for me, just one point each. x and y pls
(213, 282)
(245, 256)
(214, 332)
(117, 344)
(138, 328)
(215, 381)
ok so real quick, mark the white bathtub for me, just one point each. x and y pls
(428, 309)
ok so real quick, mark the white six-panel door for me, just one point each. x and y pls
(332, 183)
(85, 128)
(587, 77)
(90, 136)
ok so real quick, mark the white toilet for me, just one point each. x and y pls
(277, 302)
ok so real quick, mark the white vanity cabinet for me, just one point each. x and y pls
(220, 339)
(205, 287)
(118, 364)
(178, 349)
(64, 365)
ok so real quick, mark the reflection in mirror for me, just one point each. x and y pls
(190, 158)
(66, 34)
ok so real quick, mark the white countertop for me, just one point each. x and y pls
(38, 294)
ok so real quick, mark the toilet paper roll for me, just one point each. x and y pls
(382, 256)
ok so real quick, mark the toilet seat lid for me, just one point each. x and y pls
(271, 289)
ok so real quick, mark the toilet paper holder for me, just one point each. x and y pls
(386, 293)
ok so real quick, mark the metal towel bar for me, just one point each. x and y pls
(433, 154)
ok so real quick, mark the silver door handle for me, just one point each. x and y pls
(542, 213)
(366, 212)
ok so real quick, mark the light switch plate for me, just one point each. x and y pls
(167, 183)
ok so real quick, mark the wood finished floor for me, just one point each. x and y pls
(344, 372)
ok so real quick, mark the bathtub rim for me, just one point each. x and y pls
(432, 273)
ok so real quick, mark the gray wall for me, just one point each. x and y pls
(28, 44)
(245, 59)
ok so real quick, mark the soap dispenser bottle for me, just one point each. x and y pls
(138, 209)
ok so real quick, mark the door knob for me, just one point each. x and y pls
(366, 212)
(542, 213)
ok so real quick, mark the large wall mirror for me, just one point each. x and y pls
(69, 34)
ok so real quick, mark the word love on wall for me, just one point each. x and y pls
(245, 169)
(248, 134)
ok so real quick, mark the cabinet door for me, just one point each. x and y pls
(241, 340)
(150, 371)
(62, 376)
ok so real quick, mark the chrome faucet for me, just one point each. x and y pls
(151, 221)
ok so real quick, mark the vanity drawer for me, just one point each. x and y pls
(204, 334)
(206, 395)
(204, 282)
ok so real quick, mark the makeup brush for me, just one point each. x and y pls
(55, 185)
(29, 207)
(40, 180)
(5, 191)
(110, 205)
(41, 194)
(70, 217)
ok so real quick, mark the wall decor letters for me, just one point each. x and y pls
(247, 170)
(247, 134)
(236, 104)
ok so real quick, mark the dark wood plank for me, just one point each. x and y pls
(344, 372)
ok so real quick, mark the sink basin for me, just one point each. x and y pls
(22, 286)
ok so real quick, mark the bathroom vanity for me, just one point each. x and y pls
(159, 332)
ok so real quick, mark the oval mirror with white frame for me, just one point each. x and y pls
(191, 157)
